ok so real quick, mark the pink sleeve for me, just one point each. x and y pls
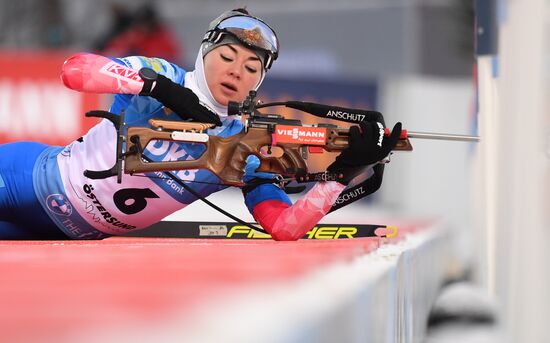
(98, 74)
(289, 223)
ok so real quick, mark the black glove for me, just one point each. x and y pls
(179, 99)
(365, 147)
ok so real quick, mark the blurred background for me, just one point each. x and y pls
(413, 60)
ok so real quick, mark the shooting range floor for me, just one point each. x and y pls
(51, 290)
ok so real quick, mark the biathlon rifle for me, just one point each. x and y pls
(226, 156)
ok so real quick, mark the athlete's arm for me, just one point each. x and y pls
(271, 207)
(285, 221)
(99, 74)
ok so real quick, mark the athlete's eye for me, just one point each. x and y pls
(251, 69)
(225, 58)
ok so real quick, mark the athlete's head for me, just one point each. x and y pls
(236, 52)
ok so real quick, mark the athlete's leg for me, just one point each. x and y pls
(21, 215)
(9, 230)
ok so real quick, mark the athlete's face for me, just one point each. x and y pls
(231, 72)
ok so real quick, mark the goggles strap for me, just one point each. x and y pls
(213, 36)
(217, 37)
(268, 61)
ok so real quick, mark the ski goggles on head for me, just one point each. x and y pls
(250, 31)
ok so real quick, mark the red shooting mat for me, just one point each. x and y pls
(52, 290)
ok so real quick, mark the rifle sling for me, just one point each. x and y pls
(203, 199)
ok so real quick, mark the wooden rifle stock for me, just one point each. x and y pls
(226, 157)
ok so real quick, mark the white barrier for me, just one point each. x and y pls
(390, 293)
(383, 296)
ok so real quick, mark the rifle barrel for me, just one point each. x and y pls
(442, 136)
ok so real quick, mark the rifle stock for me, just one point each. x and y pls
(226, 157)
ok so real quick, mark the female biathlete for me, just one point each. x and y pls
(45, 195)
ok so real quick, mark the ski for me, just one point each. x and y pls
(231, 230)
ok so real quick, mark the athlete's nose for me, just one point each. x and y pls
(234, 71)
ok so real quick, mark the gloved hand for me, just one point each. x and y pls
(179, 99)
(253, 178)
(366, 147)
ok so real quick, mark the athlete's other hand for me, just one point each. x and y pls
(254, 178)
(367, 146)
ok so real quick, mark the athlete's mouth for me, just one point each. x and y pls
(229, 86)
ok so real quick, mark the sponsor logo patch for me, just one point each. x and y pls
(58, 204)
(300, 135)
(121, 72)
(102, 211)
(345, 115)
(318, 232)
